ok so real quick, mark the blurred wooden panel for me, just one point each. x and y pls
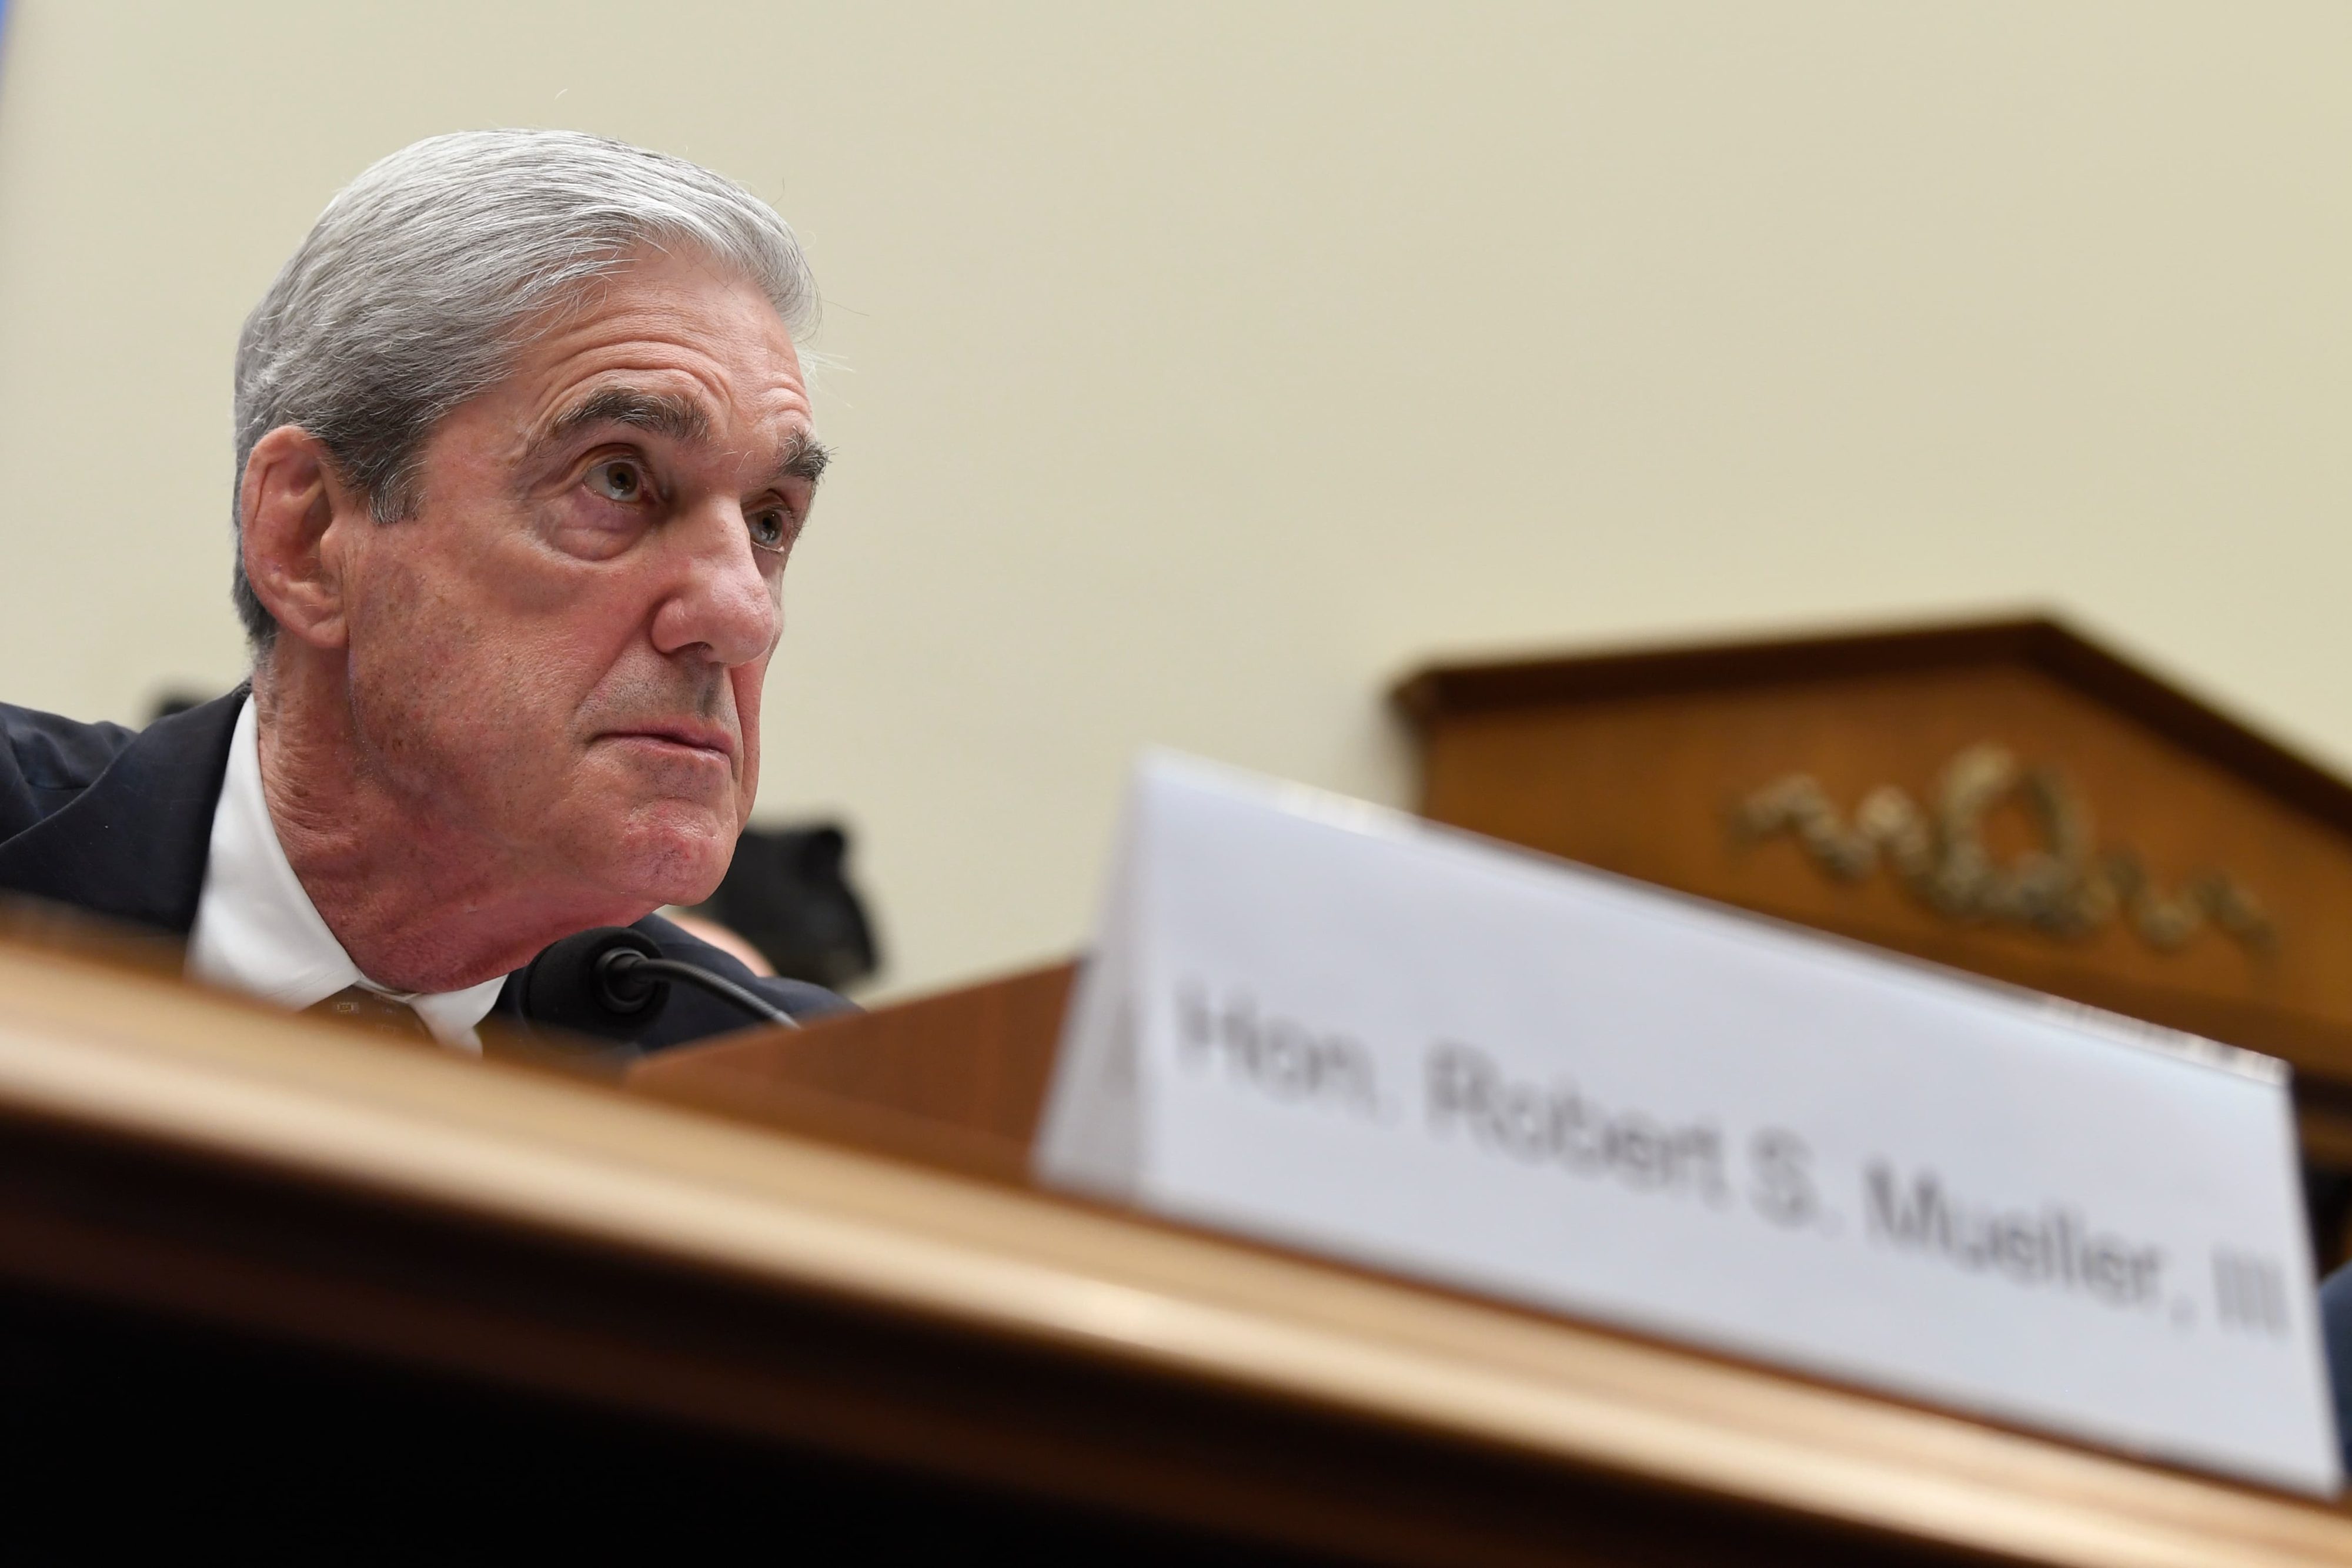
(957, 1078)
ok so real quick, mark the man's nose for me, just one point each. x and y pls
(720, 599)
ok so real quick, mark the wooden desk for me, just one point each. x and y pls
(858, 1281)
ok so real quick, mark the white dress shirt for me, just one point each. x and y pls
(257, 930)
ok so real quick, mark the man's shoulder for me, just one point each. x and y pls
(56, 753)
(47, 760)
(111, 821)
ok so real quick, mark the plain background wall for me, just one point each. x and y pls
(1198, 369)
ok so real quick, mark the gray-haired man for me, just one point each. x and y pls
(523, 444)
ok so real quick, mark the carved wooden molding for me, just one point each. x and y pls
(2066, 888)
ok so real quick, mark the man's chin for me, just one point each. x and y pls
(679, 857)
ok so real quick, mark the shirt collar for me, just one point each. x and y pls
(257, 930)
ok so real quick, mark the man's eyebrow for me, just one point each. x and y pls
(804, 457)
(662, 413)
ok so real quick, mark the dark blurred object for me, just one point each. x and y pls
(788, 895)
(170, 703)
(2328, 1201)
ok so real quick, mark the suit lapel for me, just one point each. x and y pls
(132, 846)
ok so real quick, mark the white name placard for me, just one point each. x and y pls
(1340, 1028)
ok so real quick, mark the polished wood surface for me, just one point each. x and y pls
(2034, 643)
(973, 1061)
(189, 1153)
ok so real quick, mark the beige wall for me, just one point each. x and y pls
(1200, 368)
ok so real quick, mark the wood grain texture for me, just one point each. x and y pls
(975, 1058)
(178, 1150)
(1449, 690)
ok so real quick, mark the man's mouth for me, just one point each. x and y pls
(696, 737)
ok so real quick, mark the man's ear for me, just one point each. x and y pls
(295, 520)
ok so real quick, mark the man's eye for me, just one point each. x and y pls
(770, 530)
(618, 481)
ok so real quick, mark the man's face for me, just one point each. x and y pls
(560, 654)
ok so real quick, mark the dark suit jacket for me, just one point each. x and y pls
(119, 822)
(2336, 1333)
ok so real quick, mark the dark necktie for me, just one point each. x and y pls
(372, 1009)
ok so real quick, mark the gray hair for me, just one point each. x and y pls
(414, 291)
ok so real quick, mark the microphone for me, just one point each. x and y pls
(612, 982)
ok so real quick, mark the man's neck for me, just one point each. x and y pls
(419, 904)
